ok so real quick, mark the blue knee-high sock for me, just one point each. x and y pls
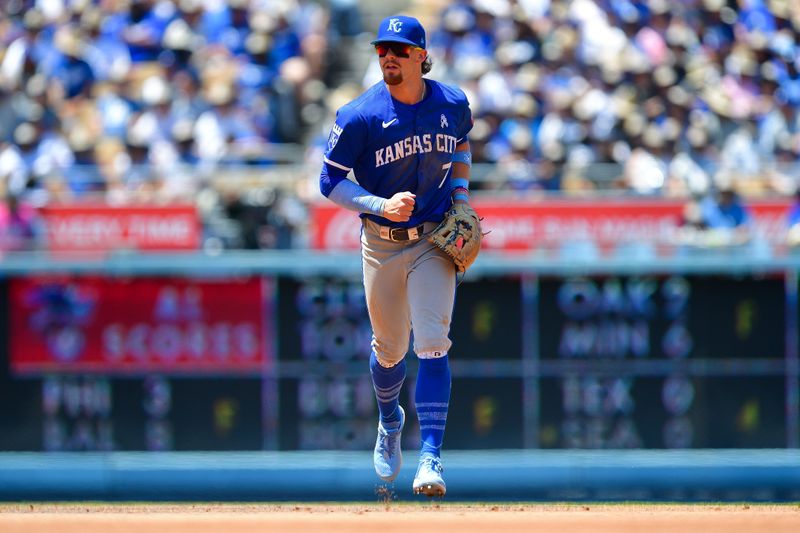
(432, 399)
(387, 383)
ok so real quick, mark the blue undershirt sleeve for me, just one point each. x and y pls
(354, 197)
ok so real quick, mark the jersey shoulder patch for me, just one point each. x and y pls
(336, 131)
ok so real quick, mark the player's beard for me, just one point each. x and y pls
(392, 78)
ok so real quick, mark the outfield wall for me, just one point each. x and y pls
(498, 475)
(706, 384)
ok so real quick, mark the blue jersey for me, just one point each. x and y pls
(392, 147)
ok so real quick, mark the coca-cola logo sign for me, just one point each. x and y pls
(524, 225)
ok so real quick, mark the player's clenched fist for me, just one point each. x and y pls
(398, 208)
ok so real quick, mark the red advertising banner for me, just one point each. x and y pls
(98, 227)
(133, 326)
(528, 224)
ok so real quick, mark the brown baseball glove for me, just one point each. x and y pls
(459, 235)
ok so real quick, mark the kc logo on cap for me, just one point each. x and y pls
(401, 29)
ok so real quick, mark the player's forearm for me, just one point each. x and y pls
(354, 197)
(462, 163)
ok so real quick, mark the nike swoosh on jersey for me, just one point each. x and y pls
(387, 124)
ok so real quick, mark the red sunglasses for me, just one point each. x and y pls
(398, 49)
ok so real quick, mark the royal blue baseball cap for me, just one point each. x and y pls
(401, 29)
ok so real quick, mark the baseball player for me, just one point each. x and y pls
(405, 140)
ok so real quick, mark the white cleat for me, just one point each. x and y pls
(387, 456)
(428, 480)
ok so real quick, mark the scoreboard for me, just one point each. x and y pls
(663, 362)
(281, 363)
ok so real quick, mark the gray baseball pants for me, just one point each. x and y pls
(409, 286)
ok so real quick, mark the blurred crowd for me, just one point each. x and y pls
(663, 96)
(152, 100)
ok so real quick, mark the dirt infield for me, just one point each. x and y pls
(397, 517)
